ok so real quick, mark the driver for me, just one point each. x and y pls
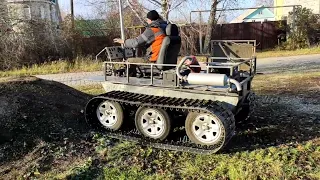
(152, 38)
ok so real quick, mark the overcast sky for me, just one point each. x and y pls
(85, 9)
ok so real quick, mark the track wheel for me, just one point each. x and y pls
(205, 128)
(110, 115)
(153, 123)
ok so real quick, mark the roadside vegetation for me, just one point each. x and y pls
(80, 64)
(285, 53)
(91, 89)
(305, 84)
(85, 64)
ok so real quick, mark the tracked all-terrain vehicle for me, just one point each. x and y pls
(168, 106)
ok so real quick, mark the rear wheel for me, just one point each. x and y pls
(205, 128)
(153, 123)
(246, 109)
(110, 115)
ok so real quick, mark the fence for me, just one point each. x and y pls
(265, 33)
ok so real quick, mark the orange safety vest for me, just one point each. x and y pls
(156, 45)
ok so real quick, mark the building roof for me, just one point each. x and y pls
(240, 18)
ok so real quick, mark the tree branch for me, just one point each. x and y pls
(155, 2)
(136, 13)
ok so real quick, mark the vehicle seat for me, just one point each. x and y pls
(170, 47)
(169, 51)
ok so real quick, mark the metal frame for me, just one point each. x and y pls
(103, 50)
(251, 62)
(238, 41)
(230, 66)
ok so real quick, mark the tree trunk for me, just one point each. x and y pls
(165, 9)
(211, 25)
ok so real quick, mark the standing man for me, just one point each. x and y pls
(152, 38)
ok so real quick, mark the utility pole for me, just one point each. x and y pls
(200, 33)
(72, 27)
(121, 21)
(72, 14)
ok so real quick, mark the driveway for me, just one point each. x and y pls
(294, 63)
(265, 65)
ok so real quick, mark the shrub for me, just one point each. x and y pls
(303, 30)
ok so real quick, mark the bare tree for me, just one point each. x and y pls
(137, 9)
(166, 6)
(213, 19)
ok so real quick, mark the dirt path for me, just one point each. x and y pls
(265, 65)
(294, 63)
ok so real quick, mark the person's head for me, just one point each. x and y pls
(152, 16)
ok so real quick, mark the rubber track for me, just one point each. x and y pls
(166, 103)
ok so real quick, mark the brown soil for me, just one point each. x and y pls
(42, 125)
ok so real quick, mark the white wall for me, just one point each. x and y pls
(33, 10)
(259, 20)
(20, 11)
(310, 4)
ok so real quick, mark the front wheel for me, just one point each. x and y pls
(153, 123)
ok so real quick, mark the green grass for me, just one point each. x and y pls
(91, 89)
(128, 161)
(283, 53)
(288, 83)
(80, 65)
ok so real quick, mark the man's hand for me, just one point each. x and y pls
(118, 40)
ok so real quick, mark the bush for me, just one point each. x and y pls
(32, 42)
(304, 33)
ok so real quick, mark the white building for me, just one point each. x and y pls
(260, 14)
(3, 15)
(282, 13)
(22, 11)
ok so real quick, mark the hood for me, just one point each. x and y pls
(157, 23)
